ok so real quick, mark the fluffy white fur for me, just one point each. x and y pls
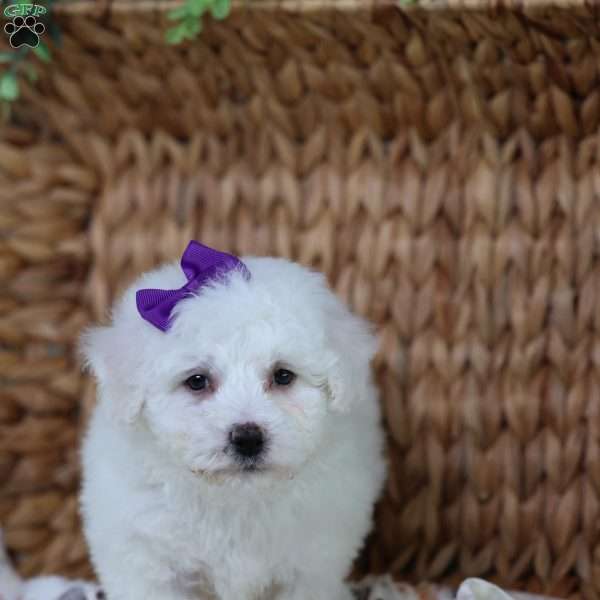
(12, 587)
(168, 514)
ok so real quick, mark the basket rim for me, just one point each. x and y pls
(95, 7)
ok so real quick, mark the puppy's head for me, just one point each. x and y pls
(248, 375)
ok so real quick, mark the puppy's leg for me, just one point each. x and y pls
(129, 572)
(140, 590)
(310, 588)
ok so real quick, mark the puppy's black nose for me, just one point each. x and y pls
(247, 439)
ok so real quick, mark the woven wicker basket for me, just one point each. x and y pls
(440, 163)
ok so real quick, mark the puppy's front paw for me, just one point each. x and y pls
(376, 588)
(324, 592)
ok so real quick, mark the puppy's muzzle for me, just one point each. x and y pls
(247, 440)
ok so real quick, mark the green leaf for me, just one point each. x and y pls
(178, 13)
(177, 34)
(197, 8)
(9, 87)
(31, 72)
(220, 9)
(43, 52)
(190, 17)
(193, 27)
(7, 57)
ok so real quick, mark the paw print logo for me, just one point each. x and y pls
(24, 31)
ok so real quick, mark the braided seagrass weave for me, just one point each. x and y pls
(441, 164)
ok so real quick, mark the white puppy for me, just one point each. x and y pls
(237, 455)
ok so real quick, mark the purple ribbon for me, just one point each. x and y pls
(201, 265)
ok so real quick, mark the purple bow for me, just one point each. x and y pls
(201, 266)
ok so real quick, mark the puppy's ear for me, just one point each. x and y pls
(93, 351)
(108, 354)
(354, 346)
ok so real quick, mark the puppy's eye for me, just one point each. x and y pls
(283, 377)
(197, 383)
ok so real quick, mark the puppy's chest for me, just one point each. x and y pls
(215, 542)
(232, 558)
